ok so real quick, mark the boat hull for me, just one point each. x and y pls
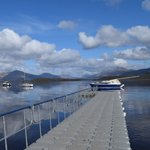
(106, 86)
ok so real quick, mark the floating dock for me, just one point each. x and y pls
(97, 125)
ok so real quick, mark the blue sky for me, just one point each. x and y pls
(74, 36)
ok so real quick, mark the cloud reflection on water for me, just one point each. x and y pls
(11, 99)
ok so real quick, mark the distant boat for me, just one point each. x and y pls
(6, 84)
(27, 87)
(26, 84)
(114, 84)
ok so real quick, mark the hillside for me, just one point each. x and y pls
(18, 76)
(142, 79)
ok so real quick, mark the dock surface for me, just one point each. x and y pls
(97, 125)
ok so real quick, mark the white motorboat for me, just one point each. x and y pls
(114, 84)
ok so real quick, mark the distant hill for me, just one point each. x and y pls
(3, 74)
(48, 75)
(114, 72)
(142, 77)
(143, 73)
(118, 71)
(18, 76)
(140, 72)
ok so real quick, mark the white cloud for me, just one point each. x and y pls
(139, 34)
(110, 36)
(146, 5)
(17, 50)
(59, 58)
(88, 41)
(10, 39)
(67, 24)
(82, 66)
(120, 62)
(106, 36)
(35, 48)
(138, 53)
(23, 47)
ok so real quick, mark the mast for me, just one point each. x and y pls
(24, 77)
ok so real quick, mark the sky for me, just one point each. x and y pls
(74, 37)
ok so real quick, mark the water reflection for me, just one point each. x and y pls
(15, 96)
(137, 105)
(53, 111)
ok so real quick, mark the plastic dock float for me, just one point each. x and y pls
(97, 125)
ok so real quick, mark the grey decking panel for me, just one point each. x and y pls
(98, 125)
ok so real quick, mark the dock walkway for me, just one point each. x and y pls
(97, 125)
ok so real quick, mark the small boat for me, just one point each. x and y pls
(27, 87)
(25, 84)
(6, 84)
(114, 84)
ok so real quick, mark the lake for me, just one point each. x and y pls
(137, 106)
(16, 97)
(136, 102)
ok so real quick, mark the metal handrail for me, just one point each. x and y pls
(39, 103)
(16, 110)
(32, 110)
(59, 97)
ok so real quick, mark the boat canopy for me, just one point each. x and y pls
(114, 81)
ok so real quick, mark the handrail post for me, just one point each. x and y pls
(81, 99)
(70, 106)
(39, 120)
(5, 133)
(65, 109)
(25, 127)
(32, 114)
(57, 111)
(63, 101)
(50, 116)
(75, 102)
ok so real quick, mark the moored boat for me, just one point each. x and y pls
(6, 84)
(114, 84)
(27, 84)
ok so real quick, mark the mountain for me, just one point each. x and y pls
(111, 72)
(18, 76)
(114, 72)
(143, 77)
(48, 75)
(140, 72)
(120, 72)
(3, 74)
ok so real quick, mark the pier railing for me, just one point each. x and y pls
(39, 118)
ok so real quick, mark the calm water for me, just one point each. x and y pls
(57, 110)
(15, 97)
(137, 105)
(136, 102)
